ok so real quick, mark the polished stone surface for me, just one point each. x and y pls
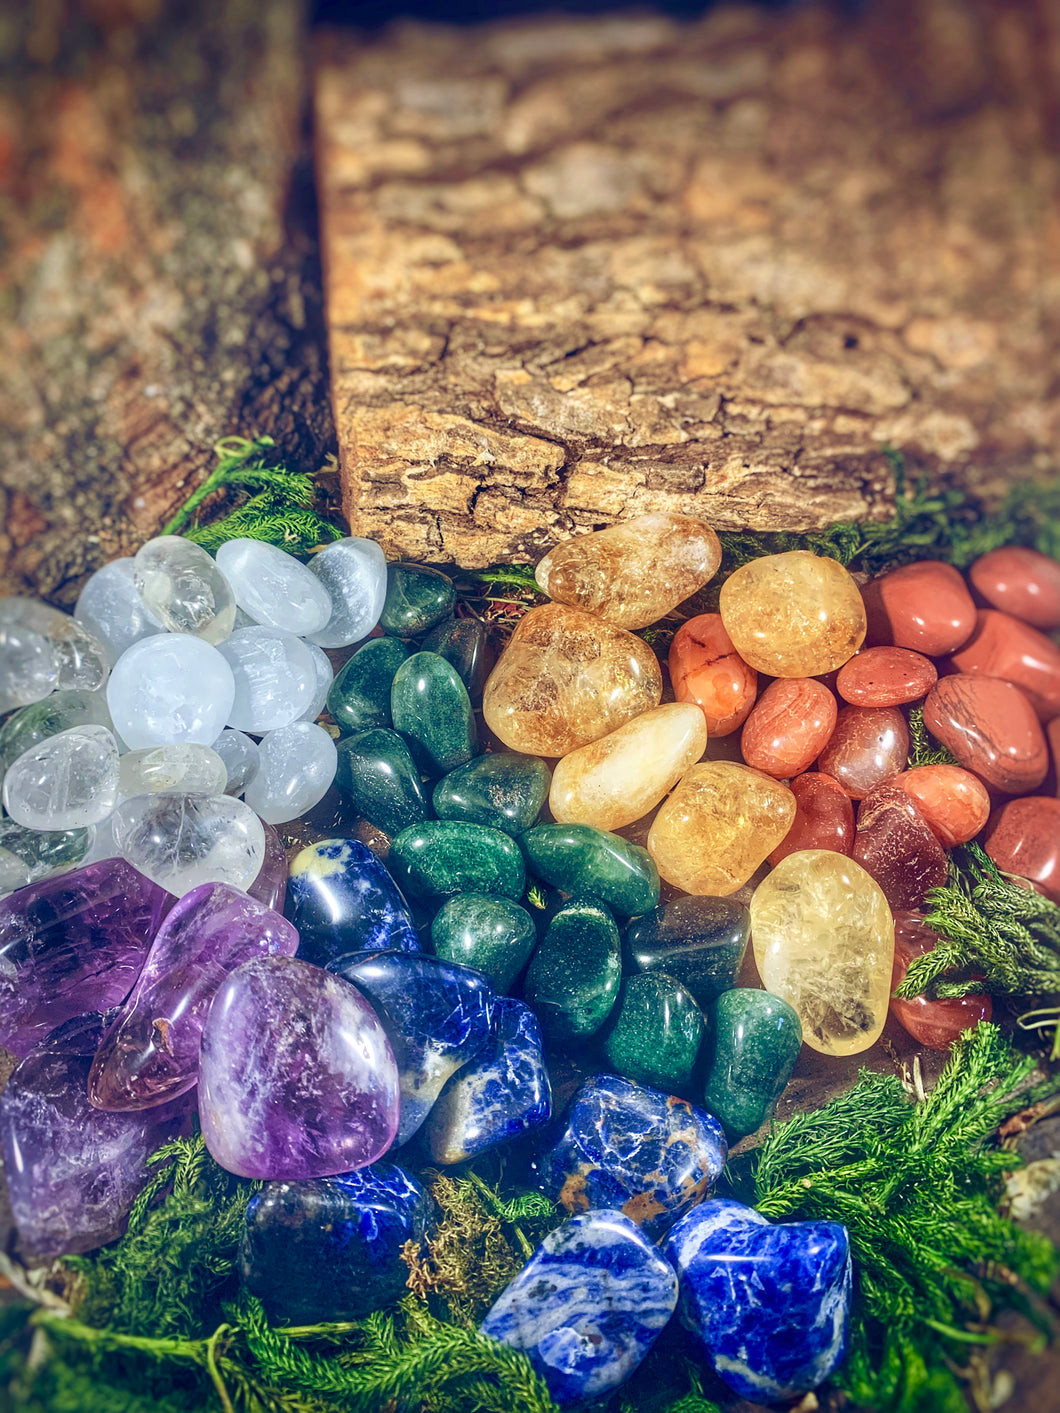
(182, 586)
(756, 1041)
(953, 801)
(1023, 837)
(68, 781)
(442, 857)
(31, 669)
(359, 698)
(240, 756)
(465, 643)
(501, 790)
(1023, 582)
(342, 900)
(577, 858)
(895, 845)
(80, 658)
(273, 587)
(789, 726)
(28, 855)
(324, 675)
(1003, 646)
(274, 675)
(991, 728)
(417, 598)
(934, 1023)
(432, 711)
(59, 711)
(824, 817)
(654, 1032)
(183, 769)
(700, 942)
(868, 745)
(880, 677)
(270, 885)
(925, 606)
(375, 771)
(180, 841)
(353, 572)
(296, 768)
(168, 688)
(493, 935)
(111, 608)
(706, 669)
(574, 976)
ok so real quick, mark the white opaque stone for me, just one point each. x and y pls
(353, 571)
(240, 756)
(111, 608)
(64, 782)
(273, 587)
(170, 688)
(181, 841)
(274, 677)
(295, 770)
(181, 584)
(182, 769)
(325, 675)
(29, 669)
(80, 657)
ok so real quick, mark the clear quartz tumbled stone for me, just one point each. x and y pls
(296, 767)
(180, 841)
(170, 688)
(67, 781)
(184, 588)
(275, 678)
(185, 768)
(111, 608)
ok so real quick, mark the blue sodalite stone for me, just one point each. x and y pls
(770, 1303)
(342, 900)
(651, 1155)
(587, 1306)
(438, 1015)
(331, 1249)
(502, 1094)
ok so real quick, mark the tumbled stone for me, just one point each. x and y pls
(342, 900)
(925, 606)
(240, 757)
(700, 942)
(790, 725)
(149, 1052)
(323, 676)
(182, 769)
(31, 669)
(59, 711)
(567, 678)
(270, 884)
(954, 803)
(882, 677)
(648, 1154)
(655, 1032)
(417, 598)
(577, 858)
(330, 1250)
(111, 608)
(706, 669)
(621, 777)
(1002, 646)
(633, 573)
(464, 642)
(169, 688)
(574, 976)
(868, 745)
(273, 587)
(441, 857)
(1020, 581)
(493, 935)
(182, 586)
(431, 710)
(359, 698)
(793, 615)
(936, 1024)
(501, 790)
(68, 781)
(80, 657)
(757, 1038)
(1023, 837)
(377, 774)
(296, 1075)
(897, 847)
(991, 728)
(718, 826)
(180, 841)
(823, 939)
(770, 1304)
(824, 817)
(274, 678)
(28, 855)
(500, 1095)
(296, 766)
(353, 572)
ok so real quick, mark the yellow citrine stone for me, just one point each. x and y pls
(793, 615)
(823, 938)
(635, 572)
(567, 678)
(718, 826)
(619, 778)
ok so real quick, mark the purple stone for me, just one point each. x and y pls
(270, 886)
(73, 944)
(296, 1076)
(150, 1053)
(73, 1171)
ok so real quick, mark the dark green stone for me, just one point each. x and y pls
(580, 859)
(700, 942)
(655, 1034)
(416, 598)
(463, 642)
(573, 979)
(442, 857)
(432, 710)
(757, 1039)
(504, 791)
(493, 935)
(379, 777)
(360, 695)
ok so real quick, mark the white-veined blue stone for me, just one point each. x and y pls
(111, 608)
(180, 841)
(82, 662)
(66, 781)
(183, 587)
(240, 756)
(184, 768)
(353, 571)
(325, 675)
(273, 587)
(296, 766)
(170, 688)
(274, 677)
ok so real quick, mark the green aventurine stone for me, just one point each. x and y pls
(380, 778)
(416, 598)
(360, 695)
(442, 857)
(573, 979)
(757, 1039)
(655, 1033)
(493, 935)
(432, 710)
(577, 858)
(463, 642)
(504, 791)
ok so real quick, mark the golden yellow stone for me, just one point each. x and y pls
(793, 615)
(718, 826)
(619, 778)
(635, 572)
(567, 678)
(823, 938)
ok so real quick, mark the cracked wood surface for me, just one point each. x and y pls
(580, 269)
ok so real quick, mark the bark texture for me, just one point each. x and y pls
(580, 269)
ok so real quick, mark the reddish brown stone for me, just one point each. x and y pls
(868, 745)
(952, 800)
(896, 845)
(1052, 735)
(936, 1024)
(1003, 646)
(1022, 582)
(790, 725)
(880, 677)
(824, 817)
(706, 669)
(925, 606)
(991, 728)
(1023, 837)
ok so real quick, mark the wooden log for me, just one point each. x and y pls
(580, 269)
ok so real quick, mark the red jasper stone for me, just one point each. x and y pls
(1052, 735)
(896, 846)
(790, 725)
(991, 728)
(880, 677)
(1023, 837)
(706, 669)
(868, 745)
(824, 817)
(953, 801)
(925, 606)
(1022, 582)
(1002, 646)
(936, 1024)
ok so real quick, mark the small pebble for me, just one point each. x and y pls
(353, 571)
(273, 587)
(180, 841)
(169, 688)
(68, 781)
(182, 586)
(274, 675)
(296, 766)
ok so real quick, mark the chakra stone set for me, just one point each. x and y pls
(160, 957)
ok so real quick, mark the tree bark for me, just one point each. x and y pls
(580, 269)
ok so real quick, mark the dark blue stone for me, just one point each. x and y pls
(342, 900)
(438, 1015)
(331, 1249)
(770, 1303)
(497, 1097)
(648, 1154)
(587, 1306)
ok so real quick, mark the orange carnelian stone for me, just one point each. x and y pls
(936, 1024)
(706, 669)
(880, 677)
(790, 725)
(953, 801)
